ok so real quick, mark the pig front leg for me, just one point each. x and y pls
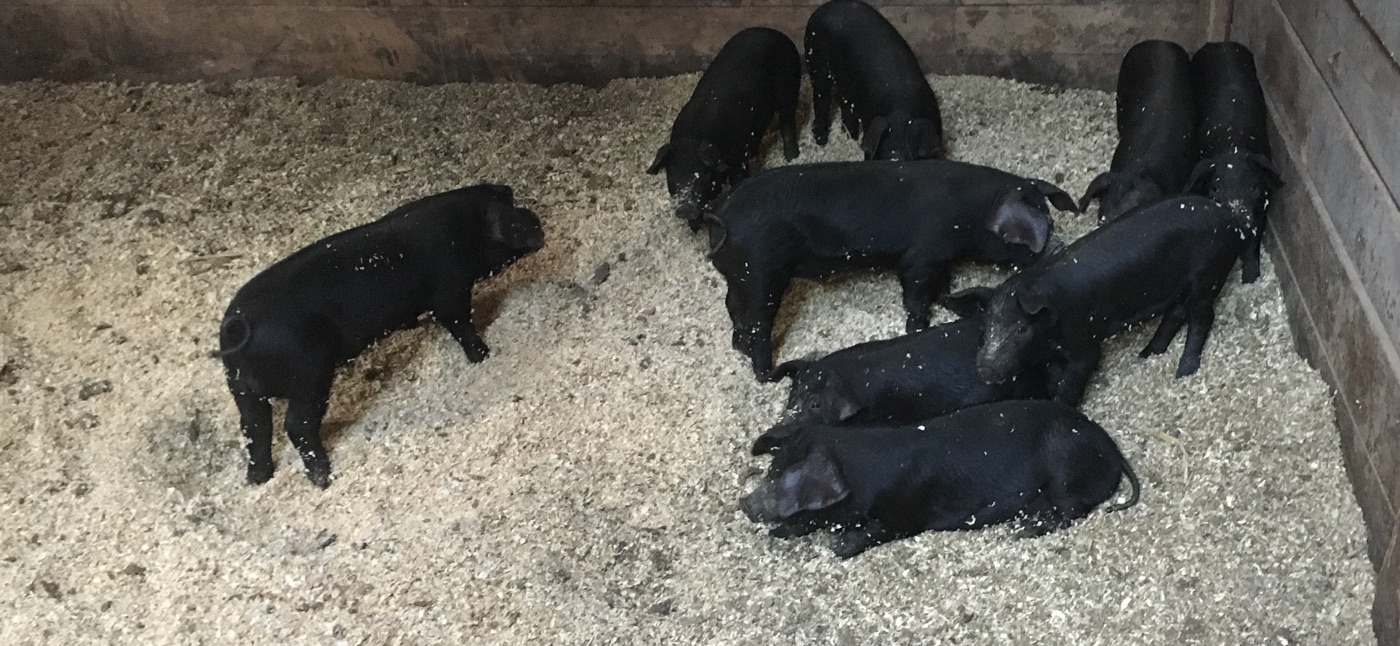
(457, 318)
(753, 306)
(855, 540)
(255, 415)
(922, 282)
(787, 126)
(1249, 258)
(303, 426)
(1084, 360)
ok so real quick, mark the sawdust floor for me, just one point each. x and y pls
(580, 486)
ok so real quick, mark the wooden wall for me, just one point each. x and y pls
(1074, 42)
(1333, 84)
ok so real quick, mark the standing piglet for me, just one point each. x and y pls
(899, 381)
(289, 327)
(1156, 131)
(857, 59)
(1039, 462)
(1170, 258)
(1236, 167)
(754, 77)
(918, 217)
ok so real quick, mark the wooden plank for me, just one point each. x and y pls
(1383, 17)
(1357, 201)
(1342, 338)
(180, 40)
(1361, 75)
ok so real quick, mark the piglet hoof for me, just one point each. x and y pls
(1150, 351)
(1188, 366)
(258, 473)
(1249, 273)
(321, 477)
(477, 352)
(850, 544)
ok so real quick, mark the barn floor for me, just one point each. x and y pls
(580, 486)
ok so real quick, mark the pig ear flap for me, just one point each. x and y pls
(1272, 177)
(496, 214)
(663, 155)
(875, 132)
(1199, 175)
(1016, 222)
(815, 483)
(1057, 196)
(968, 302)
(838, 402)
(710, 157)
(772, 439)
(1033, 302)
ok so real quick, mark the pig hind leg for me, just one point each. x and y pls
(255, 414)
(1172, 321)
(303, 425)
(1249, 258)
(820, 73)
(787, 115)
(1199, 323)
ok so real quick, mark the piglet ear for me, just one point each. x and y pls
(711, 158)
(772, 439)
(838, 401)
(875, 132)
(496, 216)
(1032, 301)
(968, 302)
(1016, 222)
(1199, 175)
(1057, 196)
(1271, 175)
(663, 155)
(815, 483)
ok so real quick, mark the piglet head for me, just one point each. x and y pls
(695, 173)
(902, 138)
(1017, 229)
(511, 232)
(811, 485)
(1014, 319)
(1241, 181)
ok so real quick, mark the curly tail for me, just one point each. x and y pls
(236, 332)
(1132, 480)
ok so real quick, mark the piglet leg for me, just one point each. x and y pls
(1172, 320)
(1197, 331)
(821, 95)
(303, 426)
(1249, 258)
(256, 421)
(856, 540)
(457, 318)
(753, 306)
(922, 282)
(1086, 358)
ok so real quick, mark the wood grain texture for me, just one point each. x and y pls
(1071, 42)
(1383, 17)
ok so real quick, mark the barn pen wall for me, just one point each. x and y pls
(1073, 42)
(1331, 78)
(1329, 69)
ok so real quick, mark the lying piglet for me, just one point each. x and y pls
(857, 59)
(754, 77)
(290, 326)
(1236, 167)
(1156, 131)
(919, 217)
(1170, 258)
(899, 381)
(1040, 462)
